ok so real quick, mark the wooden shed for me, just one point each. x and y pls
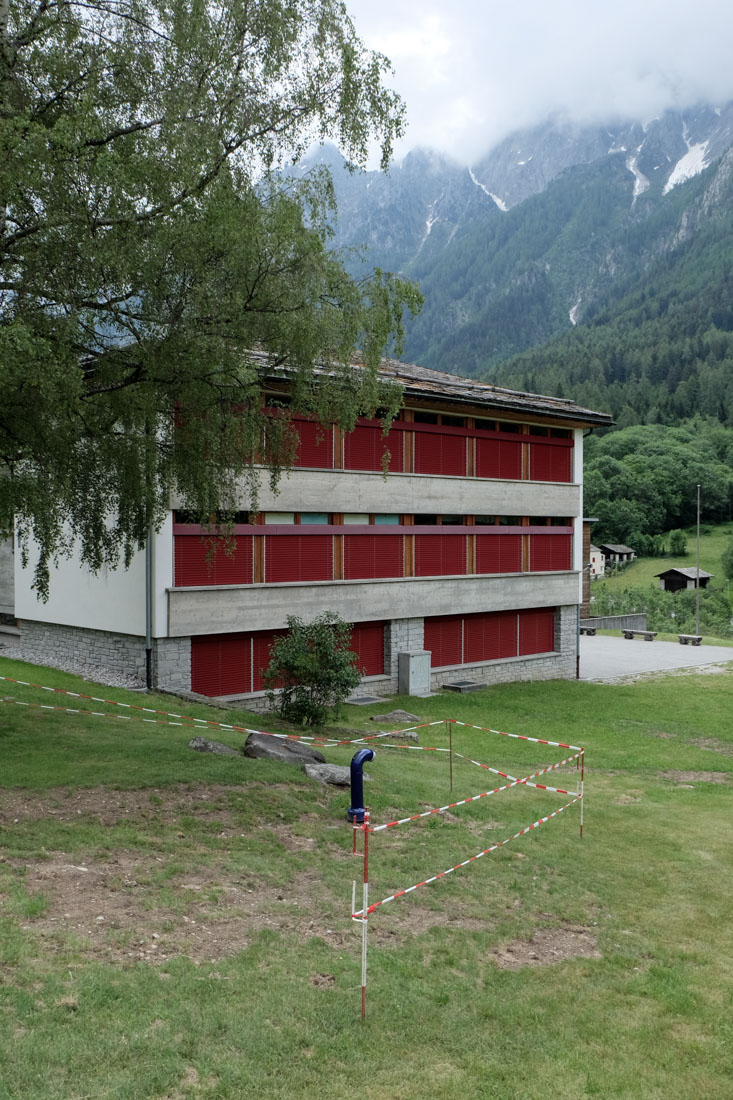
(675, 580)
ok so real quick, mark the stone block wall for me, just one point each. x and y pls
(125, 654)
(172, 664)
(121, 653)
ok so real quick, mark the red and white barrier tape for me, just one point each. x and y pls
(518, 736)
(527, 781)
(358, 915)
(205, 723)
(442, 809)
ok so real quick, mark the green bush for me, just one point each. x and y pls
(677, 543)
(313, 669)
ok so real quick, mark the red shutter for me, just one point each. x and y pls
(440, 555)
(489, 636)
(261, 644)
(547, 552)
(498, 553)
(443, 637)
(367, 556)
(536, 631)
(550, 461)
(221, 664)
(440, 454)
(498, 458)
(316, 444)
(364, 447)
(197, 565)
(298, 558)
(367, 642)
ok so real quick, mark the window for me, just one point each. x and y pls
(488, 636)
(280, 517)
(367, 557)
(440, 555)
(367, 642)
(298, 558)
(208, 561)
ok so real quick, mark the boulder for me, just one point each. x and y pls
(338, 775)
(402, 735)
(201, 744)
(395, 716)
(263, 746)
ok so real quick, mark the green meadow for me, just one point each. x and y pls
(176, 924)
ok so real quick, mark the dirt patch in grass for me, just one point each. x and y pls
(110, 910)
(694, 777)
(628, 798)
(548, 945)
(110, 807)
(709, 744)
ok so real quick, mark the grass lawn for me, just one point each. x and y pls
(177, 925)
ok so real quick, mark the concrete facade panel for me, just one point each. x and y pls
(258, 607)
(351, 491)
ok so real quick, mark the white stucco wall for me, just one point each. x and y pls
(112, 600)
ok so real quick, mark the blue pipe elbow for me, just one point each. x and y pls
(356, 810)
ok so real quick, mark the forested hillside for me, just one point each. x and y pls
(642, 480)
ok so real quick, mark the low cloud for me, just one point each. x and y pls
(474, 70)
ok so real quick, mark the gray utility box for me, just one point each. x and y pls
(413, 673)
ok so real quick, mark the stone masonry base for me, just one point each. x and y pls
(125, 654)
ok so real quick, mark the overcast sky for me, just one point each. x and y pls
(471, 71)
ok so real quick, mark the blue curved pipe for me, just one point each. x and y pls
(355, 811)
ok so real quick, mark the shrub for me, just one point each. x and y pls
(313, 668)
(677, 543)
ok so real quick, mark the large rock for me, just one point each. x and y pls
(395, 716)
(201, 744)
(402, 735)
(338, 775)
(263, 746)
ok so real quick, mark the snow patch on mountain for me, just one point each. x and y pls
(691, 164)
(641, 183)
(499, 202)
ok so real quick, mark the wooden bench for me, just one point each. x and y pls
(589, 630)
(647, 635)
(691, 639)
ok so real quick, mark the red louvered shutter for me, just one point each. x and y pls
(261, 645)
(443, 637)
(221, 664)
(364, 447)
(490, 636)
(440, 454)
(550, 461)
(499, 458)
(548, 552)
(368, 556)
(367, 642)
(298, 558)
(440, 555)
(315, 447)
(498, 553)
(536, 631)
(197, 565)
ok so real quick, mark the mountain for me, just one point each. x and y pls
(544, 233)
